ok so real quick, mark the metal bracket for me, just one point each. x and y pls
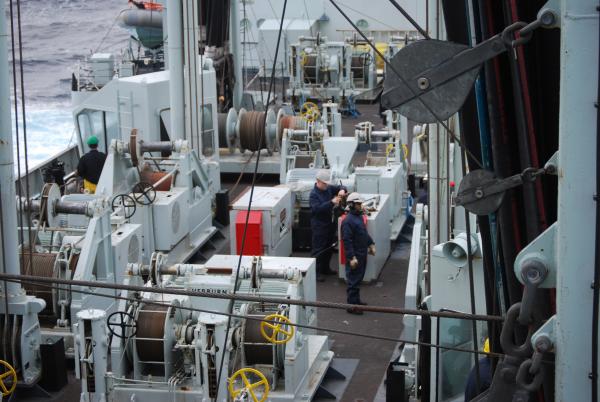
(552, 6)
(551, 167)
(542, 250)
(545, 332)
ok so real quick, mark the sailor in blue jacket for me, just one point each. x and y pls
(357, 244)
(323, 198)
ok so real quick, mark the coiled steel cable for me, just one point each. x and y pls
(252, 131)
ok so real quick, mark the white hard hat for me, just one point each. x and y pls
(354, 197)
(324, 176)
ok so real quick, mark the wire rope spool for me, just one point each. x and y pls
(288, 122)
(44, 265)
(257, 350)
(50, 197)
(154, 337)
(137, 157)
(255, 131)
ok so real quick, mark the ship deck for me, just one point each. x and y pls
(365, 359)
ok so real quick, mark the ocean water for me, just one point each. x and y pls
(56, 34)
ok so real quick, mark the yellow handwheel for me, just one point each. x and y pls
(389, 149)
(9, 372)
(310, 111)
(303, 59)
(249, 386)
(278, 321)
(405, 149)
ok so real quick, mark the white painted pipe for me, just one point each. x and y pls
(175, 51)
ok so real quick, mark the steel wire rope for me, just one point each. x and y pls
(253, 298)
(24, 122)
(16, 108)
(463, 159)
(246, 317)
(237, 273)
(417, 96)
(109, 29)
(6, 310)
(363, 14)
(246, 25)
(410, 19)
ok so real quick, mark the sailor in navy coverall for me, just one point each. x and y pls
(323, 198)
(357, 244)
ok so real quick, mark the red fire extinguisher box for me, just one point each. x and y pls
(254, 233)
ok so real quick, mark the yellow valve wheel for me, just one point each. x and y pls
(249, 386)
(405, 148)
(275, 326)
(389, 149)
(9, 372)
(303, 59)
(310, 111)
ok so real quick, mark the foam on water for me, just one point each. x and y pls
(49, 131)
(56, 35)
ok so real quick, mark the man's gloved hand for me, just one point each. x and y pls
(372, 249)
(353, 263)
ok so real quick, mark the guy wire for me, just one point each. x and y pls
(233, 315)
(230, 307)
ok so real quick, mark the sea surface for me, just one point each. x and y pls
(56, 35)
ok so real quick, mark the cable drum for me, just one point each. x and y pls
(254, 133)
(40, 264)
(360, 65)
(285, 122)
(150, 333)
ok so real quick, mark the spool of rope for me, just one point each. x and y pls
(149, 176)
(288, 122)
(150, 333)
(252, 135)
(257, 350)
(40, 264)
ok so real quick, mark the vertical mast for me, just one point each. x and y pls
(576, 192)
(175, 44)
